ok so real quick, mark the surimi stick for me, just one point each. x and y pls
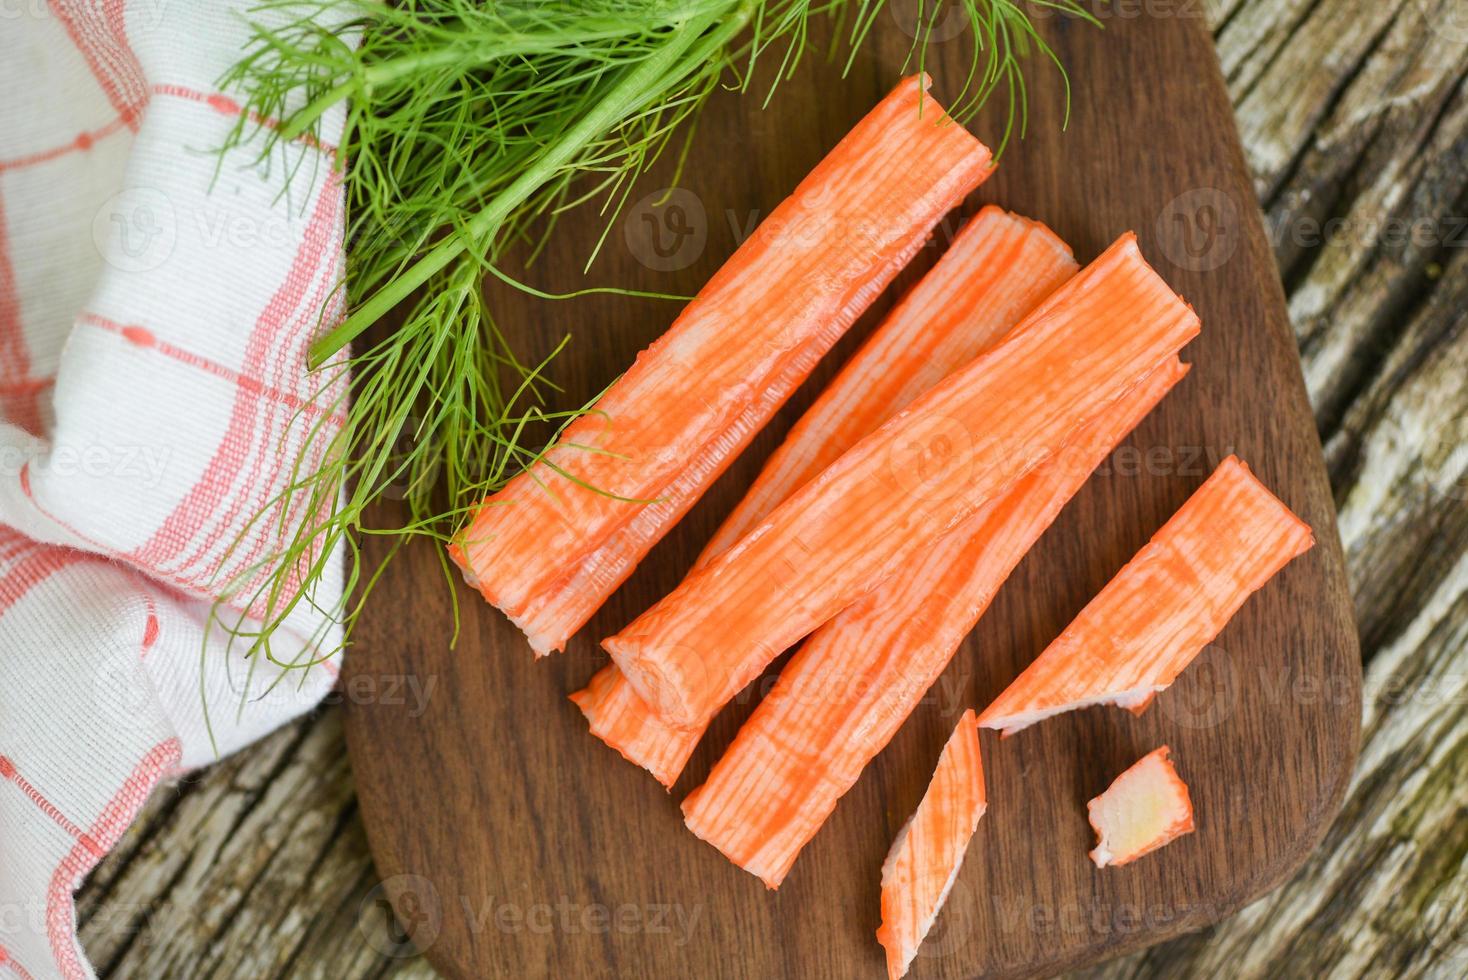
(853, 683)
(1165, 606)
(963, 443)
(997, 269)
(696, 396)
(550, 618)
(928, 852)
(1144, 808)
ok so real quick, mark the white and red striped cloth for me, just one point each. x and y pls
(155, 304)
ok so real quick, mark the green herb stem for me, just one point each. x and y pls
(642, 85)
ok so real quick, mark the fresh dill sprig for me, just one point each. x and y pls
(469, 127)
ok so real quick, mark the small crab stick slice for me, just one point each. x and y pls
(899, 489)
(925, 858)
(1144, 808)
(853, 683)
(1165, 606)
(999, 267)
(696, 396)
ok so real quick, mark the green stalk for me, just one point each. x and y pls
(638, 88)
(389, 72)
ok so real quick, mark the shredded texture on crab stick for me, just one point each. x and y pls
(925, 858)
(853, 683)
(964, 442)
(1144, 808)
(1165, 606)
(997, 269)
(547, 549)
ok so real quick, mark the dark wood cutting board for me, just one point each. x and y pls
(513, 843)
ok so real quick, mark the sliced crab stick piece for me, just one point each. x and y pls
(999, 267)
(1144, 808)
(1164, 607)
(847, 690)
(899, 489)
(759, 324)
(925, 858)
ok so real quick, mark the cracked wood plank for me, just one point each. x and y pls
(1354, 118)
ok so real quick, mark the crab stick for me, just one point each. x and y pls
(999, 267)
(546, 549)
(853, 683)
(1144, 808)
(925, 858)
(899, 489)
(1165, 606)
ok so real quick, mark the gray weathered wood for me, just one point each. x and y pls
(1349, 110)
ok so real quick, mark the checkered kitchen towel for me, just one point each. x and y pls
(153, 318)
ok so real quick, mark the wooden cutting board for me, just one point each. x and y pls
(512, 843)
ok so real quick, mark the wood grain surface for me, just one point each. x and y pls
(515, 844)
(1353, 115)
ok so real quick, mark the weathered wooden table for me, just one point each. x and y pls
(1354, 114)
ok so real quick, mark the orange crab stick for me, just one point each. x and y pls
(853, 683)
(546, 549)
(1144, 808)
(1169, 602)
(997, 269)
(925, 858)
(902, 487)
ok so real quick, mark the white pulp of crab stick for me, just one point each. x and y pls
(1144, 808)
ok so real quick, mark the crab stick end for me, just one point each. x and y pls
(586, 700)
(618, 717)
(1302, 536)
(542, 642)
(457, 556)
(1144, 808)
(653, 684)
(770, 876)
